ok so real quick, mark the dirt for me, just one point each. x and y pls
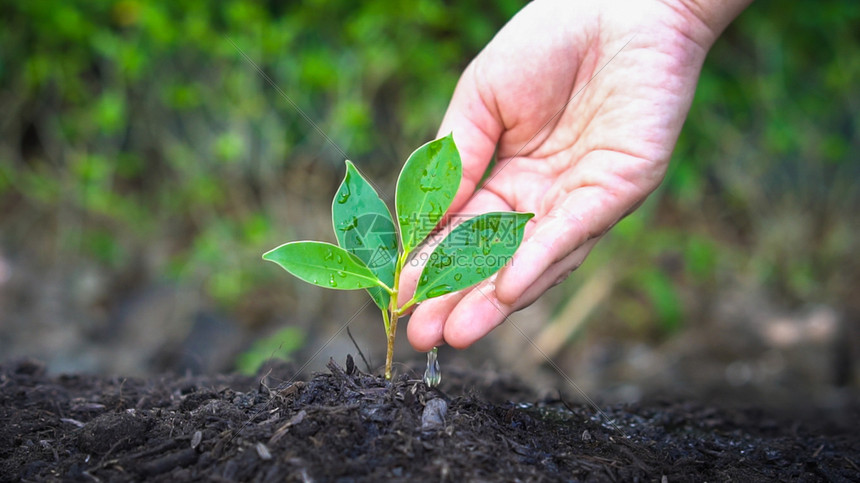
(346, 425)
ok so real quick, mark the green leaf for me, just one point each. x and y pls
(473, 251)
(323, 264)
(364, 227)
(426, 188)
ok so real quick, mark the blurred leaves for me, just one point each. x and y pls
(146, 136)
(135, 134)
(280, 345)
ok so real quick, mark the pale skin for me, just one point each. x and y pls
(582, 102)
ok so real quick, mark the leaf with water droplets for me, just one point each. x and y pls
(472, 252)
(426, 186)
(364, 227)
(323, 264)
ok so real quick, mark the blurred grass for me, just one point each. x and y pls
(137, 122)
(280, 345)
(135, 138)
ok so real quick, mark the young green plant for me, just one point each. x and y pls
(372, 250)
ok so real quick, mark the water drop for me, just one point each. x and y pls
(341, 274)
(329, 255)
(331, 281)
(343, 196)
(350, 225)
(428, 188)
(439, 290)
(458, 276)
(339, 260)
(435, 212)
(433, 374)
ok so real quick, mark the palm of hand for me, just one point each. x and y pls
(583, 121)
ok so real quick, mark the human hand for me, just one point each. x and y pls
(582, 102)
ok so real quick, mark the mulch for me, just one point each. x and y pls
(346, 425)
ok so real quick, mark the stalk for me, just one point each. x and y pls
(393, 315)
(389, 355)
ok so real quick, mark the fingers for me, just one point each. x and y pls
(594, 204)
(427, 323)
(553, 237)
(476, 315)
(462, 318)
(556, 274)
(483, 201)
(458, 319)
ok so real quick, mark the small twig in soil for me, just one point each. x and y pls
(367, 364)
(818, 451)
(564, 403)
(337, 372)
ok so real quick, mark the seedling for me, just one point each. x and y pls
(372, 251)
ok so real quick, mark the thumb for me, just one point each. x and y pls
(476, 132)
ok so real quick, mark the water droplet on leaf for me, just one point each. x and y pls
(351, 225)
(439, 290)
(343, 196)
(428, 188)
(331, 281)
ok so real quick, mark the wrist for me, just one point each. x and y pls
(706, 19)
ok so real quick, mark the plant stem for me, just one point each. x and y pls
(394, 311)
(409, 303)
(389, 355)
(385, 320)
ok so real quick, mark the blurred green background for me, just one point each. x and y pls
(145, 165)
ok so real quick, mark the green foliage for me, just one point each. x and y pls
(280, 345)
(473, 251)
(323, 264)
(663, 296)
(145, 123)
(426, 186)
(134, 133)
(363, 226)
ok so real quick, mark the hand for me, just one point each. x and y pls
(582, 102)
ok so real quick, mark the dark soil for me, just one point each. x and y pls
(349, 426)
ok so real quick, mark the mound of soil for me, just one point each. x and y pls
(350, 426)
